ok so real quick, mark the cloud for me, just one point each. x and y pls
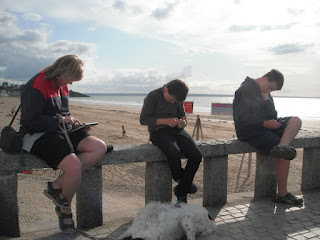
(30, 37)
(64, 46)
(164, 12)
(238, 28)
(289, 48)
(121, 5)
(23, 53)
(277, 27)
(11, 35)
(248, 28)
(32, 16)
(128, 80)
(255, 35)
(295, 11)
(124, 7)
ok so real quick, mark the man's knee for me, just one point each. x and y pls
(196, 155)
(174, 154)
(295, 121)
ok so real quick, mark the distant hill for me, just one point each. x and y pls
(15, 91)
(77, 94)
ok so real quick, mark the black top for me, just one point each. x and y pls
(250, 110)
(155, 106)
(41, 101)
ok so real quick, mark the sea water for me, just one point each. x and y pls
(305, 108)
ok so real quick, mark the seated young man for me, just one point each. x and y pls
(163, 113)
(256, 122)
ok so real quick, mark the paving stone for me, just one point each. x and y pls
(254, 220)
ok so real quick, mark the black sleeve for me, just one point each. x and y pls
(180, 110)
(35, 117)
(147, 112)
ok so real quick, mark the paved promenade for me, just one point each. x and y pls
(253, 219)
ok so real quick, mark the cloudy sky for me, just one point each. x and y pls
(138, 45)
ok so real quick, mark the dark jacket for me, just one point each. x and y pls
(250, 110)
(155, 106)
(41, 101)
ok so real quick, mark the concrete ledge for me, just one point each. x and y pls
(126, 154)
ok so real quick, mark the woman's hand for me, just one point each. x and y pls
(87, 129)
(73, 121)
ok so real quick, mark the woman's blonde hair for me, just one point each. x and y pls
(68, 67)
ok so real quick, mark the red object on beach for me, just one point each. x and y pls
(188, 107)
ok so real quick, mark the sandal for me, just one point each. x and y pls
(56, 196)
(65, 228)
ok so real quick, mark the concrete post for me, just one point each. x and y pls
(265, 182)
(215, 180)
(310, 169)
(158, 182)
(89, 199)
(9, 218)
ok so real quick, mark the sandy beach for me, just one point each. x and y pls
(125, 183)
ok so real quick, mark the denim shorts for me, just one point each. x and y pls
(268, 138)
(53, 147)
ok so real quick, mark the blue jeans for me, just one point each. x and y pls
(176, 143)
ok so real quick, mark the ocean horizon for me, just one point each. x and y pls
(304, 107)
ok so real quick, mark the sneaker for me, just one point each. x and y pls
(193, 189)
(182, 199)
(286, 152)
(289, 199)
(109, 149)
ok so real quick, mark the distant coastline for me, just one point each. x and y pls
(191, 94)
(15, 91)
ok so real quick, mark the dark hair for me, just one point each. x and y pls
(275, 76)
(66, 67)
(178, 89)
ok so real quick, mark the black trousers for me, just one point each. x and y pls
(175, 143)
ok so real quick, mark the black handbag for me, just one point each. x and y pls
(10, 139)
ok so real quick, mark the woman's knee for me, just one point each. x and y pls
(92, 144)
(100, 146)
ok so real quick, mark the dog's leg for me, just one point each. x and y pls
(187, 226)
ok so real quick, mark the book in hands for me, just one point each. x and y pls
(82, 126)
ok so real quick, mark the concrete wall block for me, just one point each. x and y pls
(265, 181)
(89, 199)
(9, 218)
(310, 169)
(215, 180)
(158, 182)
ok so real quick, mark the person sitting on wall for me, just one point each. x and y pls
(256, 123)
(163, 112)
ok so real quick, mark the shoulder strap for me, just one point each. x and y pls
(15, 115)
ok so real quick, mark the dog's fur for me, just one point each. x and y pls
(166, 221)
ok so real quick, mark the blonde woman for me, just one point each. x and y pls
(44, 113)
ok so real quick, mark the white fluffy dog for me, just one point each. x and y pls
(166, 221)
